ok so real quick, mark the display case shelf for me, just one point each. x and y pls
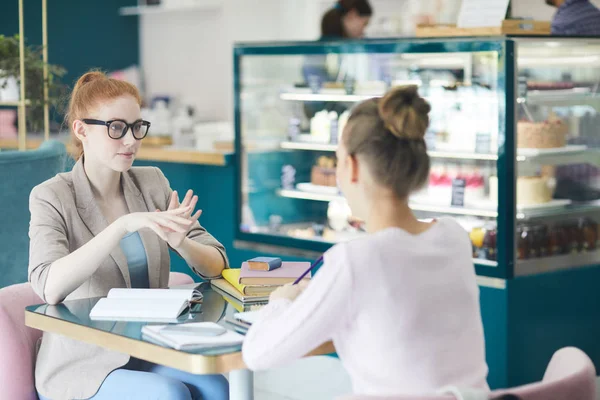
(577, 96)
(433, 154)
(309, 146)
(462, 156)
(343, 237)
(297, 194)
(344, 98)
(566, 156)
(486, 212)
(325, 96)
(556, 263)
(573, 209)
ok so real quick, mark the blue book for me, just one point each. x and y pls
(264, 263)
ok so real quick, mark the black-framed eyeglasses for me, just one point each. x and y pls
(117, 128)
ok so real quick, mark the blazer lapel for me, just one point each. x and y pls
(92, 216)
(151, 241)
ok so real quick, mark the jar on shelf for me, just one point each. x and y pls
(489, 243)
(523, 242)
(588, 231)
(477, 236)
(574, 237)
(558, 241)
(541, 241)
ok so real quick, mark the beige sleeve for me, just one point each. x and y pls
(47, 236)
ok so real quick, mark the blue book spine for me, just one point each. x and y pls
(264, 263)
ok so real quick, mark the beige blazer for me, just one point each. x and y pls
(65, 216)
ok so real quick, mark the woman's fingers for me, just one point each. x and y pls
(196, 216)
(156, 228)
(174, 202)
(177, 211)
(192, 205)
(188, 198)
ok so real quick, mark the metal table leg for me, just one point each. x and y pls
(241, 385)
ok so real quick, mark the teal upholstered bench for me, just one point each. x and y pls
(20, 171)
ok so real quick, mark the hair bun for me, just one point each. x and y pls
(89, 77)
(404, 113)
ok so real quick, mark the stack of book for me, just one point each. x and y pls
(257, 278)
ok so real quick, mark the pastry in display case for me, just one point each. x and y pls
(442, 175)
(323, 172)
(533, 190)
(548, 134)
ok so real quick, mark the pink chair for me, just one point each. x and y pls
(432, 397)
(18, 342)
(570, 375)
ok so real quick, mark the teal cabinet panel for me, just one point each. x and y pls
(495, 325)
(550, 311)
(81, 34)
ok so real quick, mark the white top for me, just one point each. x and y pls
(402, 311)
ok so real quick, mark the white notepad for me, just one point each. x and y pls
(190, 341)
(145, 305)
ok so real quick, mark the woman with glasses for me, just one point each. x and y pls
(104, 225)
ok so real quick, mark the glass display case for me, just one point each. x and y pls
(557, 185)
(511, 141)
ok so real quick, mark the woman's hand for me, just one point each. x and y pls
(162, 223)
(176, 237)
(288, 291)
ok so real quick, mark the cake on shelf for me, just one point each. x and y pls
(323, 173)
(548, 134)
(547, 85)
(442, 176)
(532, 190)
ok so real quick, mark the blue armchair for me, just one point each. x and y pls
(20, 171)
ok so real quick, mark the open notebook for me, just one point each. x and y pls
(248, 317)
(146, 305)
(242, 321)
(192, 336)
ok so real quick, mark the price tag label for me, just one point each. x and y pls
(458, 192)
(482, 143)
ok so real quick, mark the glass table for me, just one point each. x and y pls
(71, 319)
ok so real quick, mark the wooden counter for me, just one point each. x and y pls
(149, 153)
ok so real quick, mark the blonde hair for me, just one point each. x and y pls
(91, 89)
(388, 133)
